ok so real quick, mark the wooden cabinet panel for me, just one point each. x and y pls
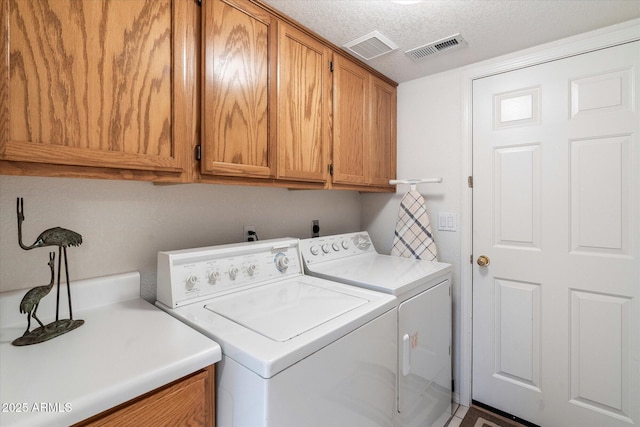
(304, 90)
(90, 83)
(350, 122)
(238, 134)
(187, 402)
(382, 154)
(364, 127)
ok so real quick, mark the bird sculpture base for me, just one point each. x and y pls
(52, 330)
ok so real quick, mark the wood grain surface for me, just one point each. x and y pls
(239, 45)
(92, 74)
(303, 98)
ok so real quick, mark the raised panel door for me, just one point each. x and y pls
(304, 90)
(93, 83)
(556, 156)
(238, 112)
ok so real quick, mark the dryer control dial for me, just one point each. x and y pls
(314, 250)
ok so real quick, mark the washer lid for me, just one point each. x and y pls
(284, 310)
(378, 272)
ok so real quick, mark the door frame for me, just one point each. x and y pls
(594, 40)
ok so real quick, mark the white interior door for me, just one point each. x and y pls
(556, 210)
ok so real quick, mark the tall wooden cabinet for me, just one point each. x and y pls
(239, 108)
(96, 83)
(364, 126)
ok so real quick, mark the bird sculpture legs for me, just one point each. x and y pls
(66, 272)
(29, 316)
(63, 251)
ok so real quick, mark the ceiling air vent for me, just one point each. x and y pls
(370, 46)
(448, 43)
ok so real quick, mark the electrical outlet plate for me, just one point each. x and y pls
(246, 236)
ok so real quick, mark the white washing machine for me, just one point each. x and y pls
(423, 289)
(296, 350)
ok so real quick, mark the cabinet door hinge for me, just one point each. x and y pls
(331, 66)
(471, 259)
(331, 169)
(470, 182)
(198, 152)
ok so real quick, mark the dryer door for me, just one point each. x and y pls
(424, 359)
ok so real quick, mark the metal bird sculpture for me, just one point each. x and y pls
(57, 236)
(31, 299)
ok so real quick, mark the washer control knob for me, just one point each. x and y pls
(336, 247)
(233, 272)
(282, 262)
(191, 281)
(251, 268)
(213, 277)
(326, 248)
(314, 250)
(345, 244)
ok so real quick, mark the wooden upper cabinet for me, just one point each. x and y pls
(304, 91)
(94, 83)
(238, 112)
(350, 122)
(382, 149)
(364, 126)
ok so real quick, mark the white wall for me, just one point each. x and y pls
(429, 144)
(124, 224)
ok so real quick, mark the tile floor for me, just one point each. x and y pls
(458, 416)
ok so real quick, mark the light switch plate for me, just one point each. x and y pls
(447, 221)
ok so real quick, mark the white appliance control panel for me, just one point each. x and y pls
(327, 248)
(191, 275)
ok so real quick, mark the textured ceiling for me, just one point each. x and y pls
(490, 27)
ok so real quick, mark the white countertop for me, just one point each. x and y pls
(126, 347)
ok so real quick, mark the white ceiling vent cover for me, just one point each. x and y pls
(448, 43)
(370, 46)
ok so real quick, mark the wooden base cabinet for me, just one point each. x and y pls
(189, 401)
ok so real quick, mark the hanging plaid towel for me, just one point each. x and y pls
(413, 237)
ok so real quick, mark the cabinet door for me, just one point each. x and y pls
(304, 90)
(238, 121)
(382, 149)
(350, 122)
(89, 83)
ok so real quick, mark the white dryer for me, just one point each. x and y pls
(296, 350)
(423, 289)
